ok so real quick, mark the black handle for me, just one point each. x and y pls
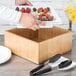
(36, 69)
(65, 64)
(55, 58)
(42, 71)
(51, 60)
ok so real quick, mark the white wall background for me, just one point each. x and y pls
(58, 5)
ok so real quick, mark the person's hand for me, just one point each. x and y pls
(22, 2)
(29, 21)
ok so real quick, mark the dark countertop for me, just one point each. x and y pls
(20, 67)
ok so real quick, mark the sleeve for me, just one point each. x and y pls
(9, 15)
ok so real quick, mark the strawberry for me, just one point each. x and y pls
(45, 10)
(44, 18)
(43, 14)
(22, 10)
(40, 10)
(34, 9)
(17, 9)
(48, 9)
(27, 10)
(50, 18)
(47, 15)
(40, 17)
(40, 14)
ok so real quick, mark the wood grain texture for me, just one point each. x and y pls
(20, 67)
(38, 46)
(22, 47)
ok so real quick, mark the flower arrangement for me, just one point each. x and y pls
(71, 12)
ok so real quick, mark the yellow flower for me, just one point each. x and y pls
(69, 8)
(72, 15)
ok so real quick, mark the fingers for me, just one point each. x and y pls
(35, 27)
(28, 3)
(34, 15)
(40, 22)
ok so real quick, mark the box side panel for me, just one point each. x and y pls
(58, 45)
(28, 33)
(43, 51)
(22, 47)
(47, 33)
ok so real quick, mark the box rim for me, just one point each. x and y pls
(56, 37)
(20, 36)
(67, 31)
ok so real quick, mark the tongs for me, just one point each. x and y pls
(56, 62)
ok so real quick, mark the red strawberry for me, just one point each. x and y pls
(47, 15)
(27, 10)
(43, 14)
(45, 10)
(40, 10)
(40, 16)
(22, 10)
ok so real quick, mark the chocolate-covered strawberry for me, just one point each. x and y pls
(40, 14)
(45, 10)
(40, 10)
(17, 9)
(34, 9)
(43, 18)
(48, 9)
(47, 15)
(50, 18)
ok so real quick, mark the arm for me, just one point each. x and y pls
(9, 14)
(24, 19)
(22, 2)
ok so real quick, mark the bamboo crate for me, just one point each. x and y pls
(38, 46)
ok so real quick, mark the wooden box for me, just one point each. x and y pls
(38, 46)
